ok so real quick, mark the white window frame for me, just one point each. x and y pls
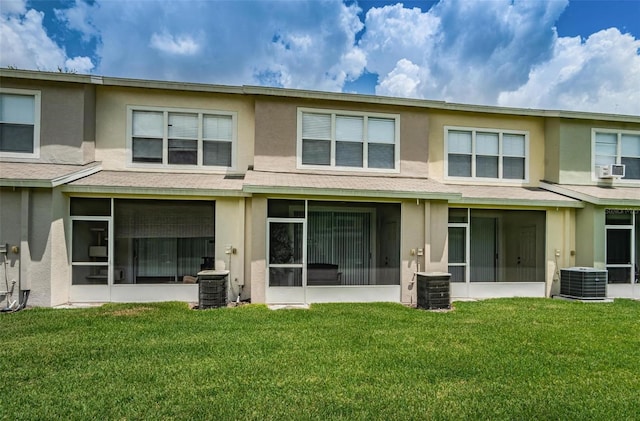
(618, 133)
(165, 138)
(500, 133)
(36, 123)
(366, 116)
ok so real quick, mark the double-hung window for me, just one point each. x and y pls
(348, 140)
(19, 123)
(617, 147)
(486, 154)
(185, 138)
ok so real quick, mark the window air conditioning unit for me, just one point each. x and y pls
(583, 283)
(611, 171)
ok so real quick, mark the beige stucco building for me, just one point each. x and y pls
(123, 190)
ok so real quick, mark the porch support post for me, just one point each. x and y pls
(25, 253)
(436, 254)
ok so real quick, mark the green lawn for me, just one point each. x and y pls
(516, 359)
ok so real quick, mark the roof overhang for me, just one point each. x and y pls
(598, 195)
(27, 174)
(513, 196)
(157, 184)
(346, 186)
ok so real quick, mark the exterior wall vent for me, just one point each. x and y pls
(583, 283)
(611, 171)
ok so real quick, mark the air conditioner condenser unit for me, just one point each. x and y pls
(583, 283)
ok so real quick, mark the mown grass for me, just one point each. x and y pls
(497, 359)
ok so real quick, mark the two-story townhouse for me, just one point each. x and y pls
(117, 190)
(47, 134)
(363, 192)
(596, 159)
(131, 187)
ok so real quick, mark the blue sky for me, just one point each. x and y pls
(558, 54)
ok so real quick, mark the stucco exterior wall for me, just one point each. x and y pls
(576, 151)
(276, 135)
(412, 238)
(10, 234)
(67, 113)
(230, 234)
(59, 238)
(590, 237)
(258, 249)
(111, 128)
(552, 150)
(560, 246)
(533, 125)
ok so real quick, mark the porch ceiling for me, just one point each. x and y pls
(157, 183)
(28, 174)
(347, 185)
(513, 196)
(598, 195)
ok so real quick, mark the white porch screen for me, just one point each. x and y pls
(341, 238)
(155, 219)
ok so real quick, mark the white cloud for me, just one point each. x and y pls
(13, 7)
(468, 50)
(599, 74)
(79, 18)
(26, 45)
(489, 52)
(402, 81)
(183, 45)
(79, 65)
(305, 45)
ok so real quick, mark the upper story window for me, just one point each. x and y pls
(182, 138)
(19, 123)
(487, 154)
(617, 147)
(348, 140)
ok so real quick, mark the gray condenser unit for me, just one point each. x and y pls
(583, 283)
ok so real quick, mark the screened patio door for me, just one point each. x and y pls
(90, 259)
(286, 251)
